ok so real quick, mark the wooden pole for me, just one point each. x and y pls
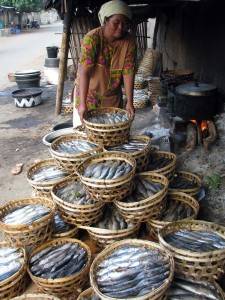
(64, 54)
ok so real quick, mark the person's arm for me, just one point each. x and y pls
(84, 81)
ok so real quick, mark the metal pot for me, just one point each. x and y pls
(27, 97)
(198, 101)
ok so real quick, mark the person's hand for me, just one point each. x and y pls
(130, 110)
(82, 109)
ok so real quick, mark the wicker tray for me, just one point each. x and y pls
(155, 225)
(73, 213)
(36, 297)
(16, 284)
(25, 235)
(168, 170)
(148, 208)
(195, 265)
(107, 134)
(112, 189)
(191, 177)
(67, 161)
(41, 189)
(156, 294)
(141, 156)
(62, 286)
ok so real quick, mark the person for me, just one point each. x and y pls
(107, 59)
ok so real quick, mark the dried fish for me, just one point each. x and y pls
(156, 162)
(48, 173)
(175, 211)
(179, 182)
(26, 215)
(75, 146)
(109, 118)
(132, 146)
(132, 271)
(59, 225)
(58, 261)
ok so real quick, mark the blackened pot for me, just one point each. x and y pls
(27, 97)
(196, 101)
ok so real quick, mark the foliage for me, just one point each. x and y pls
(24, 5)
(214, 181)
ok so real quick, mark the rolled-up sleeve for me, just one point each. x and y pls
(129, 63)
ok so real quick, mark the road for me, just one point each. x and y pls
(27, 50)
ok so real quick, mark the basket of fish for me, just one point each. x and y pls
(62, 229)
(108, 126)
(75, 204)
(185, 182)
(185, 289)
(138, 147)
(179, 206)
(71, 150)
(60, 267)
(162, 162)
(27, 221)
(43, 175)
(108, 176)
(36, 297)
(13, 271)
(111, 228)
(132, 269)
(147, 199)
(198, 248)
(88, 294)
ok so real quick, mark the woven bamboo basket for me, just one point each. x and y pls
(68, 234)
(155, 225)
(195, 265)
(149, 63)
(41, 189)
(67, 109)
(155, 294)
(36, 297)
(73, 213)
(141, 156)
(148, 208)
(112, 189)
(62, 287)
(168, 170)
(141, 103)
(67, 161)
(107, 134)
(139, 85)
(87, 293)
(28, 235)
(16, 284)
(190, 177)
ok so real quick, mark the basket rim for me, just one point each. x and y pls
(109, 249)
(197, 179)
(170, 165)
(85, 293)
(106, 109)
(23, 227)
(102, 156)
(35, 296)
(71, 231)
(190, 253)
(45, 162)
(53, 151)
(55, 242)
(23, 265)
(97, 230)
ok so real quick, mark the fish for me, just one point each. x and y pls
(11, 261)
(58, 261)
(59, 225)
(175, 211)
(26, 215)
(156, 162)
(74, 147)
(192, 289)
(130, 271)
(109, 118)
(197, 241)
(182, 183)
(132, 146)
(48, 173)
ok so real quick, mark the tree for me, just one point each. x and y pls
(24, 5)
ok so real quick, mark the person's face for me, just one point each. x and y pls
(117, 26)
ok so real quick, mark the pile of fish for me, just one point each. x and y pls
(26, 215)
(59, 225)
(182, 183)
(132, 146)
(48, 173)
(74, 193)
(175, 211)
(157, 162)
(109, 118)
(186, 289)
(11, 260)
(132, 271)
(75, 147)
(144, 188)
(112, 220)
(58, 261)
(197, 241)
(90, 297)
(108, 169)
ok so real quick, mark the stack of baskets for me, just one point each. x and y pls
(154, 87)
(151, 63)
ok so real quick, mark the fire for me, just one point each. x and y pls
(204, 125)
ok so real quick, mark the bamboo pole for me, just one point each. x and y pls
(64, 54)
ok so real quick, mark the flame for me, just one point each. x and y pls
(194, 121)
(204, 125)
